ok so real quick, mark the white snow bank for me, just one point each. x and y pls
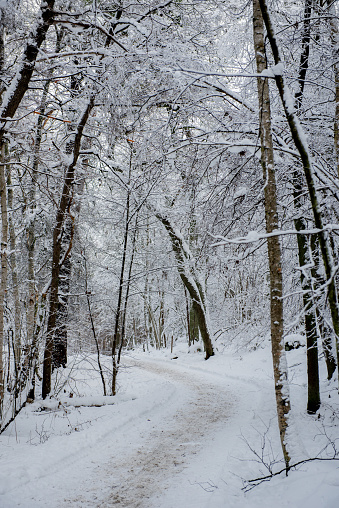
(183, 433)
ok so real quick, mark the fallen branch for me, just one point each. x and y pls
(77, 402)
(250, 484)
(13, 417)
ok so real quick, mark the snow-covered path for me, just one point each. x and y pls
(178, 436)
(171, 441)
(154, 449)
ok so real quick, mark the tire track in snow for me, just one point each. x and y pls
(171, 444)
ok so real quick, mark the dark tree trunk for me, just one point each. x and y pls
(192, 284)
(12, 98)
(4, 268)
(117, 328)
(325, 330)
(59, 358)
(57, 244)
(313, 399)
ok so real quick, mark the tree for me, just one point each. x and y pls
(304, 248)
(13, 95)
(163, 93)
(186, 269)
(61, 216)
(4, 266)
(273, 243)
(303, 149)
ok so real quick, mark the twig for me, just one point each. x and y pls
(250, 484)
(13, 417)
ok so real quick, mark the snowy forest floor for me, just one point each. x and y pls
(182, 433)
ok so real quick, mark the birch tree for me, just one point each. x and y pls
(300, 141)
(4, 267)
(273, 242)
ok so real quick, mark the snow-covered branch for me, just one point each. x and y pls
(255, 236)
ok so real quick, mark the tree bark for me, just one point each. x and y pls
(13, 267)
(325, 330)
(4, 230)
(191, 282)
(273, 243)
(32, 294)
(117, 327)
(11, 100)
(60, 338)
(120, 315)
(300, 141)
(311, 330)
(305, 51)
(334, 35)
(93, 328)
(313, 389)
(128, 286)
(13, 96)
(57, 241)
(4, 266)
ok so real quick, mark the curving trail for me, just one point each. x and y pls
(172, 440)
(182, 433)
(172, 443)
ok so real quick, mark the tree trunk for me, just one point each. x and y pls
(120, 316)
(128, 286)
(194, 328)
(14, 94)
(191, 282)
(273, 243)
(59, 357)
(13, 267)
(311, 330)
(3, 282)
(57, 242)
(313, 399)
(305, 51)
(117, 328)
(93, 327)
(4, 232)
(60, 338)
(300, 141)
(11, 100)
(334, 34)
(325, 330)
(146, 294)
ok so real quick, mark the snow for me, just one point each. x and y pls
(252, 236)
(136, 24)
(178, 434)
(267, 73)
(240, 193)
(278, 69)
(244, 144)
(272, 72)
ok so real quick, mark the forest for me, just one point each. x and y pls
(169, 178)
